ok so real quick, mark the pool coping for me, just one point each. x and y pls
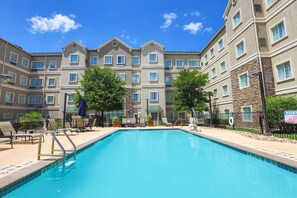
(15, 180)
(21, 177)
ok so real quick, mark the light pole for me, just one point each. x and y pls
(147, 107)
(263, 99)
(64, 112)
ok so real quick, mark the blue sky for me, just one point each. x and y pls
(48, 25)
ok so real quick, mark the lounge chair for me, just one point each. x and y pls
(141, 122)
(124, 122)
(6, 139)
(53, 125)
(164, 120)
(133, 122)
(8, 131)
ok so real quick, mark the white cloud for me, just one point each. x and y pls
(195, 14)
(57, 23)
(169, 18)
(122, 35)
(134, 41)
(194, 28)
(208, 29)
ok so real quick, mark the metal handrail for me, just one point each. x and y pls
(74, 147)
(176, 122)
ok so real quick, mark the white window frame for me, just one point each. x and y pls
(223, 93)
(52, 61)
(15, 76)
(50, 102)
(96, 60)
(138, 78)
(206, 58)
(244, 52)
(221, 67)
(157, 77)
(17, 59)
(220, 49)
(194, 60)
(212, 74)
(73, 61)
(217, 93)
(269, 6)
(4, 116)
(121, 64)
(154, 92)
(34, 96)
(23, 62)
(76, 77)
(36, 85)
(19, 99)
(21, 80)
(138, 60)
(168, 60)
(138, 97)
(71, 94)
(240, 22)
(104, 59)
(123, 74)
(37, 68)
(273, 26)
(182, 63)
(152, 61)
(248, 80)
(249, 106)
(292, 70)
(48, 80)
(7, 92)
(212, 55)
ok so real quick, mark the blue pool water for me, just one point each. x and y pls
(162, 164)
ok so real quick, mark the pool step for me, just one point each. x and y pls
(52, 155)
(69, 163)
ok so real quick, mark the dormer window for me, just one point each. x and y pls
(237, 19)
(153, 58)
(121, 60)
(73, 58)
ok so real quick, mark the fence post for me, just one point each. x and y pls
(233, 121)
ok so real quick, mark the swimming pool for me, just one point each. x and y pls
(165, 164)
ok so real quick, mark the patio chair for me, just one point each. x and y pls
(164, 120)
(6, 139)
(124, 122)
(79, 124)
(8, 131)
(141, 122)
(53, 125)
(133, 122)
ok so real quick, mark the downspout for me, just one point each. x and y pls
(258, 47)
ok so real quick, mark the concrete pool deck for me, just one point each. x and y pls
(20, 161)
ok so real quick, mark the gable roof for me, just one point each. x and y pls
(152, 42)
(112, 39)
(72, 43)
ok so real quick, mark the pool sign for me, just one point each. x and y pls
(291, 117)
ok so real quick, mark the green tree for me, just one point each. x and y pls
(102, 89)
(276, 105)
(189, 91)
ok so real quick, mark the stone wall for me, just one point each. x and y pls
(129, 103)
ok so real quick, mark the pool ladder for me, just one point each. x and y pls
(64, 154)
(181, 123)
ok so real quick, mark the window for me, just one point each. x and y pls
(223, 67)
(284, 71)
(270, 2)
(194, 63)
(13, 76)
(182, 115)
(215, 93)
(35, 82)
(135, 60)
(73, 58)
(50, 100)
(206, 57)
(258, 8)
(107, 59)
(243, 81)
(135, 78)
(168, 81)
(212, 53)
(70, 98)
(221, 44)
(122, 76)
(154, 96)
(179, 62)
(240, 49)
(13, 57)
(51, 82)
(247, 114)
(23, 80)
(168, 63)
(168, 98)
(37, 65)
(153, 58)
(136, 97)
(236, 19)
(53, 64)
(214, 73)
(19, 115)
(35, 100)
(225, 90)
(93, 60)
(153, 76)
(170, 116)
(72, 77)
(9, 97)
(121, 60)
(22, 99)
(7, 116)
(25, 62)
(278, 32)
